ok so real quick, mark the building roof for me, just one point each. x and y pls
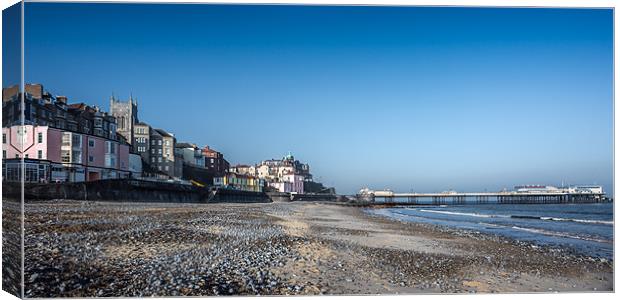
(241, 175)
(209, 149)
(164, 133)
(77, 106)
(185, 145)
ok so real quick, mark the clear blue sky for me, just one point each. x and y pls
(389, 97)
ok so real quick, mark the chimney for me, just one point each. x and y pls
(35, 90)
(61, 99)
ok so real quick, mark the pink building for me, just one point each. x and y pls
(52, 155)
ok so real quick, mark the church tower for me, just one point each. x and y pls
(126, 114)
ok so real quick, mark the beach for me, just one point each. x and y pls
(89, 249)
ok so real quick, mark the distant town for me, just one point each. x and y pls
(76, 142)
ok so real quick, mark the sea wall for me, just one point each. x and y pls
(314, 197)
(134, 190)
(121, 190)
(236, 196)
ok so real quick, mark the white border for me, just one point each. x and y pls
(503, 3)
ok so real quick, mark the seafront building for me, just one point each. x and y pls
(243, 169)
(65, 142)
(275, 169)
(78, 142)
(142, 140)
(215, 161)
(285, 175)
(162, 152)
(239, 182)
(60, 141)
(191, 154)
(55, 155)
(289, 183)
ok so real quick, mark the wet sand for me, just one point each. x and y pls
(86, 249)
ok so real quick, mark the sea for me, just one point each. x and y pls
(587, 229)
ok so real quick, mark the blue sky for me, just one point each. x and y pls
(390, 97)
(11, 45)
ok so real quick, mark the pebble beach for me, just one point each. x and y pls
(107, 249)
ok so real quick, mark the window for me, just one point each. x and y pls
(158, 151)
(3, 154)
(76, 156)
(152, 142)
(159, 142)
(16, 155)
(110, 161)
(65, 156)
(40, 137)
(66, 139)
(91, 158)
(111, 148)
(167, 143)
(152, 151)
(77, 140)
(91, 143)
(40, 154)
(159, 159)
(152, 159)
(166, 168)
(4, 138)
(26, 156)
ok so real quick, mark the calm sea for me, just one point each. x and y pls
(586, 228)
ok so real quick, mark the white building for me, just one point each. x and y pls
(580, 189)
(264, 172)
(537, 189)
(588, 189)
(290, 183)
(191, 154)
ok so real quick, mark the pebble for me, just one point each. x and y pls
(120, 251)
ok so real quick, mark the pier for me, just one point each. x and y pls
(483, 198)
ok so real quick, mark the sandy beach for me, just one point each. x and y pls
(87, 249)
